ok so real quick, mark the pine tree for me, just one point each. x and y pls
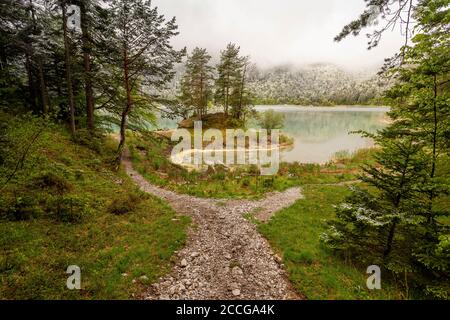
(368, 221)
(68, 65)
(14, 24)
(196, 83)
(397, 223)
(87, 10)
(142, 37)
(423, 98)
(25, 37)
(241, 98)
(229, 77)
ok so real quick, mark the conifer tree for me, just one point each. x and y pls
(398, 222)
(141, 37)
(229, 77)
(68, 65)
(197, 82)
(241, 98)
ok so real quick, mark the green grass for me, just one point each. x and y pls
(293, 232)
(112, 250)
(314, 270)
(352, 160)
(150, 156)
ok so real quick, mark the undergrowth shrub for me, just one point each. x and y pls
(68, 208)
(20, 139)
(19, 208)
(127, 203)
(268, 183)
(219, 176)
(51, 180)
(93, 141)
(245, 182)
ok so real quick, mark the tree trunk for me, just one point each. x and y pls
(43, 87)
(227, 92)
(3, 57)
(201, 96)
(87, 68)
(390, 239)
(396, 203)
(433, 167)
(126, 111)
(31, 86)
(434, 158)
(57, 74)
(68, 70)
(40, 68)
(29, 65)
(241, 92)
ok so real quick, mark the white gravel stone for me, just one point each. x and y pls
(217, 262)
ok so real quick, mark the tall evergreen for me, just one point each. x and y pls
(241, 98)
(86, 21)
(229, 77)
(398, 222)
(25, 41)
(197, 82)
(141, 37)
(68, 64)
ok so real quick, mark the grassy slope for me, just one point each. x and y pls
(150, 157)
(294, 233)
(35, 253)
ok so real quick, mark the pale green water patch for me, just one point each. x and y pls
(320, 132)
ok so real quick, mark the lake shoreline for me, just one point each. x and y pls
(319, 132)
(293, 107)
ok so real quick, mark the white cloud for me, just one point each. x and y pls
(276, 32)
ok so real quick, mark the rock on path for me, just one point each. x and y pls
(225, 257)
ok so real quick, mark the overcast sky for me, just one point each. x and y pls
(275, 32)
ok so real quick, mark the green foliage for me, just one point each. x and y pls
(20, 208)
(68, 208)
(21, 137)
(56, 212)
(398, 218)
(51, 180)
(312, 268)
(298, 257)
(231, 92)
(87, 138)
(196, 84)
(270, 120)
(127, 203)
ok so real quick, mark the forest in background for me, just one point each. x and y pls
(318, 84)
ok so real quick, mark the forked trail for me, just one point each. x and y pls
(225, 257)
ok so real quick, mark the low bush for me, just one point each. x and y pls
(126, 203)
(93, 141)
(19, 208)
(70, 208)
(51, 180)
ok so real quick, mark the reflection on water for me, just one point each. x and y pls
(320, 132)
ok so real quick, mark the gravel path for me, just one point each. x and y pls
(225, 257)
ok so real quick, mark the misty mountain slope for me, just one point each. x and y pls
(314, 84)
